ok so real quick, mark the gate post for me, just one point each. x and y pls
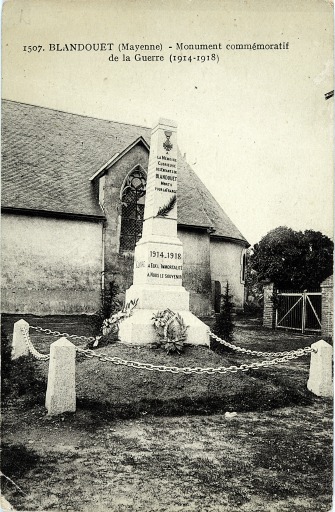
(320, 380)
(268, 308)
(327, 307)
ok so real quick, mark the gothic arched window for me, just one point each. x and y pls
(132, 200)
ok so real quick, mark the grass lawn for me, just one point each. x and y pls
(147, 441)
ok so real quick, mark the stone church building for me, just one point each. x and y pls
(73, 195)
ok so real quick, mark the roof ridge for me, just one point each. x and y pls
(74, 114)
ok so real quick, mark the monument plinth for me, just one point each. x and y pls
(158, 263)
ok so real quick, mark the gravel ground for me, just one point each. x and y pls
(112, 455)
(278, 461)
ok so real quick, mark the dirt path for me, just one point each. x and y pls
(278, 460)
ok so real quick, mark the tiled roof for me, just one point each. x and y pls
(218, 219)
(49, 156)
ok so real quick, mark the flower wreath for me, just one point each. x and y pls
(171, 330)
(112, 324)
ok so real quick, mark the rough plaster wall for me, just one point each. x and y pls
(50, 266)
(196, 270)
(226, 266)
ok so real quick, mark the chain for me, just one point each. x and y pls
(256, 353)
(62, 334)
(301, 351)
(279, 357)
(12, 482)
(32, 349)
(187, 370)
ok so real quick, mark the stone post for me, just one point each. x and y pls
(61, 389)
(19, 345)
(320, 380)
(268, 308)
(327, 308)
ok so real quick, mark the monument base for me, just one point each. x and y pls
(158, 297)
(138, 329)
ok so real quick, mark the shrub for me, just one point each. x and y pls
(110, 302)
(224, 325)
(109, 305)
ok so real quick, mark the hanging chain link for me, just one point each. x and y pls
(279, 357)
(256, 353)
(32, 349)
(62, 334)
(187, 370)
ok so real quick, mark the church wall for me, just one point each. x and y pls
(50, 266)
(226, 266)
(119, 267)
(196, 270)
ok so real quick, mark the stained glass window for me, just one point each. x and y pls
(133, 198)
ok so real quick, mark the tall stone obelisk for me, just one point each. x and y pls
(158, 263)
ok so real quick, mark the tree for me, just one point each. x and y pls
(293, 259)
(254, 289)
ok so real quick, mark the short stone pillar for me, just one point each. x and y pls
(320, 380)
(61, 389)
(268, 309)
(5, 506)
(19, 345)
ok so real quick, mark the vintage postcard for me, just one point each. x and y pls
(167, 255)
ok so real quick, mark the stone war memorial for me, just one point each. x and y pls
(158, 261)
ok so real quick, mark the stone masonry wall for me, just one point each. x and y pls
(268, 311)
(327, 316)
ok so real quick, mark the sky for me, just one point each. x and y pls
(254, 124)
